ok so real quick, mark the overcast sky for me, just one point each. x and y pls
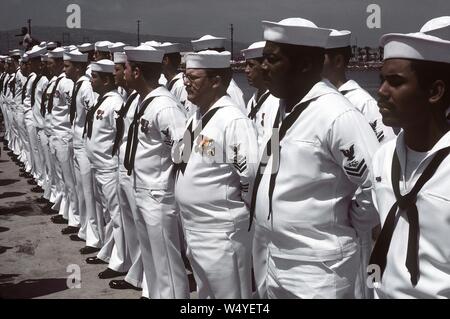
(194, 18)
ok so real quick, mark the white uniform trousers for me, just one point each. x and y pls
(43, 150)
(362, 291)
(64, 157)
(5, 120)
(114, 248)
(23, 145)
(157, 227)
(221, 262)
(55, 176)
(288, 278)
(128, 209)
(260, 254)
(36, 160)
(89, 224)
(14, 138)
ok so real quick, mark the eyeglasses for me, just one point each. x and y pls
(192, 79)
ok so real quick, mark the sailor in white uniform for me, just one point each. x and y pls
(75, 64)
(170, 66)
(21, 110)
(89, 49)
(102, 50)
(37, 89)
(261, 109)
(158, 123)
(56, 67)
(62, 141)
(217, 157)
(337, 57)
(310, 170)
(113, 48)
(127, 201)
(31, 121)
(411, 257)
(209, 42)
(100, 131)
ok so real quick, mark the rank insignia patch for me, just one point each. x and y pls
(353, 167)
(144, 126)
(167, 138)
(100, 114)
(378, 133)
(239, 161)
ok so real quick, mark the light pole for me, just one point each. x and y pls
(29, 26)
(139, 32)
(232, 44)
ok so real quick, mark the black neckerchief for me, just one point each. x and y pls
(33, 89)
(172, 83)
(132, 141)
(120, 124)
(191, 136)
(255, 108)
(90, 117)
(24, 89)
(44, 99)
(52, 95)
(285, 125)
(408, 203)
(73, 101)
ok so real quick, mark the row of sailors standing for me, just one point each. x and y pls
(299, 165)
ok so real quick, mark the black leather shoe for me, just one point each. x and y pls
(95, 261)
(24, 174)
(109, 273)
(70, 230)
(22, 170)
(75, 237)
(37, 189)
(32, 182)
(122, 284)
(49, 211)
(88, 250)
(58, 219)
(42, 200)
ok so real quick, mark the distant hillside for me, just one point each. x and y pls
(77, 36)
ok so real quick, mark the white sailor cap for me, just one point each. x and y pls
(57, 53)
(24, 58)
(339, 39)
(102, 46)
(438, 27)
(36, 52)
(296, 31)
(254, 51)
(86, 47)
(154, 44)
(416, 46)
(208, 59)
(208, 42)
(51, 45)
(43, 44)
(116, 47)
(44, 57)
(120, 57)
(104, 66)
(3, 58)
(75, 56)
(144, 53)
(16, 52)
(169, 47)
